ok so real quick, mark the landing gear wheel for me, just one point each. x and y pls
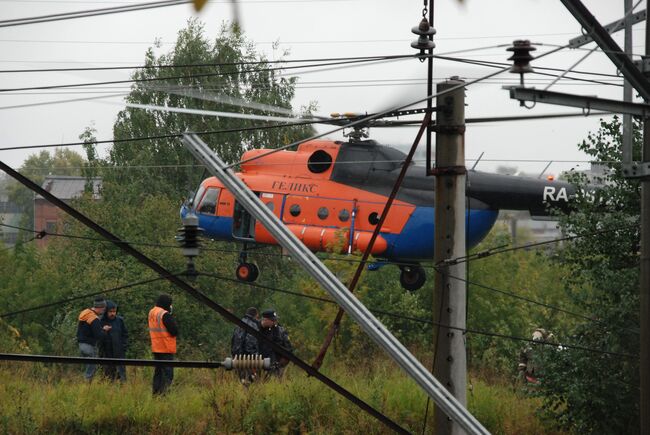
(247, 272)
(412, 277)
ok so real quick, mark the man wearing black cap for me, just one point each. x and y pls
(276, 333)
(89, 332)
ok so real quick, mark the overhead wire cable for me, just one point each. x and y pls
(382, 113)
(206, 64)
(22, 242)
(89, 13)
(500, 249)
(351, 162)
(71, 100)
(363, 119)
(160, 136)
(423, 321)
(214, 364)
(56, 359)
(323, 65)
(498, 64)
(82, 297)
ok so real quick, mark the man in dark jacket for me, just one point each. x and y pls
(271, 329)
(163, 331)
(243, 343)
(89, 332)
(115, 343)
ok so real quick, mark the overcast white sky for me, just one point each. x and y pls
(316, 29)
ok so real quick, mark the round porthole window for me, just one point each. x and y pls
(323, 212)
(344, 215)
(373, 218)
(294, 210)
(319, 161)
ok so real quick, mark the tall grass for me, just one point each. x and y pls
(45, 400)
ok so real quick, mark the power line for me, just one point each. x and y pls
(494, 63)
(219, 74)
(81, 297)
(200, 65)
(316, 298)
(347, 162)
(499, 64)
(324, 63)
(90, 13)
(426, 321)
(273, 126)
(161, 136)
(55, 359)
(500, 250)
(9, 248)
(323, 85)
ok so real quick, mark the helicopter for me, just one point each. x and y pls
(330, 194)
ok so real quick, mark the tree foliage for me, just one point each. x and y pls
(589, 391)
(235, 70)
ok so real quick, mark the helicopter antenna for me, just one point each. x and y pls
(544, 170)
(478, 160)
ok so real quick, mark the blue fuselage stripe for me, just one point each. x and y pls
(414, 242)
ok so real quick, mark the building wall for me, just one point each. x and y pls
(46, 217)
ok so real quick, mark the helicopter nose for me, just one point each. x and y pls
(184, 211)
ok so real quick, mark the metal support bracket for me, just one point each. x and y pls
(609, 47)
(448, 170)
(636, 170)
(448, 129)
(352, 306)
(612, 27)
(643, 65)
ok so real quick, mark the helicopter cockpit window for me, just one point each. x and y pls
(209, 202)
(319, 161)
(197, 197)
(323, 213)
(373, 218)
(294, 210)
(344, 215)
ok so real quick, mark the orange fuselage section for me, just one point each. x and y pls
(322, 213)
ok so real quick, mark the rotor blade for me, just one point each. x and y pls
(217, 98)
(210, 112)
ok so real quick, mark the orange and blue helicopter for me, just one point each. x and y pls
(328, 191)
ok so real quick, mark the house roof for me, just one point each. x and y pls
(69, 187)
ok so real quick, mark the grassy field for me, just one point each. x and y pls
(50, 400)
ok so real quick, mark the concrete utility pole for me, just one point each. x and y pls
(627, 89)
(450, 297)
(644, 290)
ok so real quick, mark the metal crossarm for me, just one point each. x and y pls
(370, 324)
(585, 102)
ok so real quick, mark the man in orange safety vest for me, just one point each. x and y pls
(163, 331)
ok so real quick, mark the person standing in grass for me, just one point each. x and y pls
(243, 344)
(271, 329)
(163, 331)
(115, 343)
(89, 332)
